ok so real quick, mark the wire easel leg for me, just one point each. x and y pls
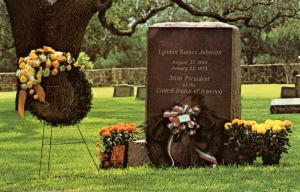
(50, 147)
(87, 147)
(41, 159)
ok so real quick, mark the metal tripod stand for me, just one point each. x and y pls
(51, 144)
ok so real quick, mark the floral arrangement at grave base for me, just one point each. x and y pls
(115, 139)
(249, 140)
(183, 119)
(44, 63)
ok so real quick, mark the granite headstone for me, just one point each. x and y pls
(123, 90)
(141, 92)
(288, 92)
(287, 105)
(194, 58)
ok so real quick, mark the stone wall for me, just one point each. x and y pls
(254, 74)
(7, 81)
(275, 73)
(107, 77)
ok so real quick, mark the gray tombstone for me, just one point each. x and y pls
(297, 85)
(194, 58)
(288, 92)
(287, 105)
(141, 92)
(123, 90)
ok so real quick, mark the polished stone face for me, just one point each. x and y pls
(197, 59)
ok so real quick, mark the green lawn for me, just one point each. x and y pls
(72, 169)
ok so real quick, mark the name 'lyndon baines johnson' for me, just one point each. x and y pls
(164, 52)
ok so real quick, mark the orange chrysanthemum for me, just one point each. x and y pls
(61, 58)
(103, 130)
(33, 56)
(53, 57)
(22, 65)
(106, 134)
(21, 60)
(55, 64)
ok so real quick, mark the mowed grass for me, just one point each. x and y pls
(73, 170)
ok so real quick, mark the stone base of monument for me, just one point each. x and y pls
(288, 92)
(279, 106)
(138, 154)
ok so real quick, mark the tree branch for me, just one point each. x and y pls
(111, 27)
(195, 10)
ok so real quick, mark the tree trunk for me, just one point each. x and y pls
(62, 25)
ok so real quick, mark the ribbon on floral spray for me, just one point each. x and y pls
(183, 118)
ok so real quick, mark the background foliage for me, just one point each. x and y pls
(274, 43)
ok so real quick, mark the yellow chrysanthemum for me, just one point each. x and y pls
(227, 126)
(278, 122)
(276, 128)
(261, 129)
(249, 124)
(254, 128)
(33, 55)
(241, 122)
(287, 124)
(268, 126)
(235, 121)
(269, 122)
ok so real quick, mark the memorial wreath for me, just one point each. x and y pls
(67, 98)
